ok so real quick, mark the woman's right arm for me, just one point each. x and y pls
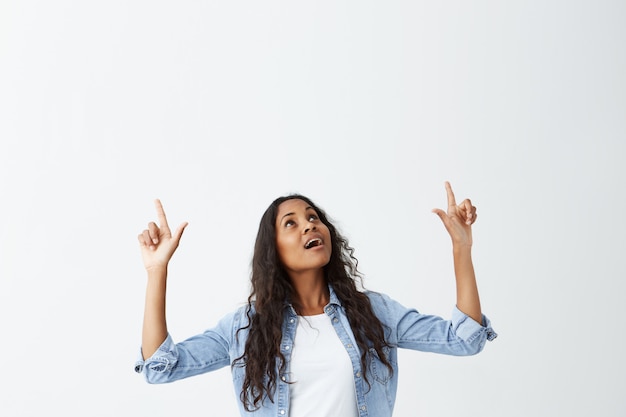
(157, 244)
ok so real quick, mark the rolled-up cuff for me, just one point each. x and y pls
(160, 361)
(468, 329)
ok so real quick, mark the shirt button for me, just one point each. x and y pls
(363, 407)
(286, 347)
(335, 320)
(283, 378)
(358, 375)
(349, 345)
(291, 320)
(282, 412)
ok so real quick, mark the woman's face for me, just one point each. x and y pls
(302, 240)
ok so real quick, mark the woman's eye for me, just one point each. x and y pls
(289, 223)
(312, 217)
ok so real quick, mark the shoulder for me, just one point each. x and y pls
(385, 307)
(236, 319)
(380, 302)
(378, 298)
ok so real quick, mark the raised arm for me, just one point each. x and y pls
(157, 245)
(458, 221)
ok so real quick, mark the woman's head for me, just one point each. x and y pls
(303, 240)
(294, 235)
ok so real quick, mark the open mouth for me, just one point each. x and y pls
(313, 243)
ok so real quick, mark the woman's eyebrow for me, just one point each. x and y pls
(292, 213)
(288, 214)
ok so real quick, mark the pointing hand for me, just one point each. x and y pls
(157, 243)
(458, 220)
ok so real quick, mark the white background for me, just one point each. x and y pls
(218, 107)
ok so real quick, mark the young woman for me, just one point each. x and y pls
(309, 343)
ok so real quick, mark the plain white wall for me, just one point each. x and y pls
(367, 107)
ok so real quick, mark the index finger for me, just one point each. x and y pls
(451, 199)
(161, 214)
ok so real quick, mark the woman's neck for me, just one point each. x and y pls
(311, 294)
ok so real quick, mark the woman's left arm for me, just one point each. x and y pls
(458, 221)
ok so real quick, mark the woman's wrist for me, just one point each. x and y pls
(460, 249)
(157, 272)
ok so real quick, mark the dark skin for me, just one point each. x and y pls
(296, 225)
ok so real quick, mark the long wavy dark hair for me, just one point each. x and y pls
(272, 290)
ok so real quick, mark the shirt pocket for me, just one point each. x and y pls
(378, 369)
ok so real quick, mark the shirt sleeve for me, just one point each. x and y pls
(202, 353)
(409, 329)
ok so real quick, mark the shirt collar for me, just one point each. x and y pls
(333, 297)
(333, 301)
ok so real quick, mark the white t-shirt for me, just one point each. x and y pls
(321, 372)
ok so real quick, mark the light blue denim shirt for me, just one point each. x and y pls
(405, 328)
